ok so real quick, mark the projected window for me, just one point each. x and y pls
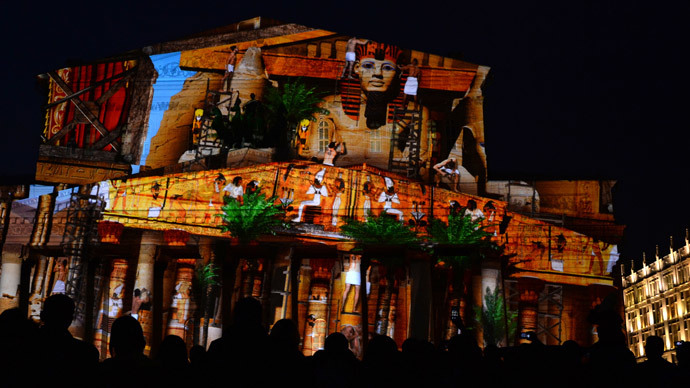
(375, 140)
(323, 135)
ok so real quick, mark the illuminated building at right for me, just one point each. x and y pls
(657, 301)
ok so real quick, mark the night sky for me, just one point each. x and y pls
(576, 90)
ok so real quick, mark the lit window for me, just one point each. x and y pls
(375, 140)
(323, 131)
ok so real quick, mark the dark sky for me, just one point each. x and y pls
(578, 89)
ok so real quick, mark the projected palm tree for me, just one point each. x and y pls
(250, 218)
(460, 230)
(286, 107)
(382, 231)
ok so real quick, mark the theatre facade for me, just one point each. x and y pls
(145, 156)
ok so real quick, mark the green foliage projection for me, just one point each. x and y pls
(461, 230)
(492, 318)
(255, 216)
(289, 105)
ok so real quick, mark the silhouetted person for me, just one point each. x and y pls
(571, 360)
(128, 366)
(381, 362)
(197, 358)
(18, 340)
(239, 356)
(172, 362)
(335, 365)
(284, 357)
(465, 357)
(683, 363)
(492, 367)
(609, 362)
(419, 363)
(58, 350)
(655, 370)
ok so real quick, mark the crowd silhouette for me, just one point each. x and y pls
(251, 356)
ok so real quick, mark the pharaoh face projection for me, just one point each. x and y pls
(376, 75)
(377, 66)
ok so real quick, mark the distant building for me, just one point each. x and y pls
(657, 301)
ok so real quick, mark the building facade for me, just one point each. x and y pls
(143, 150)
(657, 301)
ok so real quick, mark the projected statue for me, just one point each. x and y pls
(364, 108)
(389, 197)
(352, 278)
(317, 189)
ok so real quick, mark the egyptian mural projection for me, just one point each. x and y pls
(393, 108)
(316, 200)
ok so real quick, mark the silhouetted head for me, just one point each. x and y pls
(285, 334)
(237, 180)
(608, 325)
(464, 347)
(654, 347)
(336, 343)
(471, 204)
(197, 354)
(247, 312)
(58, 311)
(126, 337)
(172, 351)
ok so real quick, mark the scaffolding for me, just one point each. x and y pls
(80, 236)
(549, 312)
(406, 138)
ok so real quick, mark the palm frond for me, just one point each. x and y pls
(255, 216)
(461, 230)
(380, 230)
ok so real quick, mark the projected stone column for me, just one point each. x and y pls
(528, 290)
(11, 262)
(143, 286)
(9, 281)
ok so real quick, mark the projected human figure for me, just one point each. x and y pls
(350, 56)
(230, 66)
(338, 189)
(597, 248)
(141, 301)
(334, 148)
(352, 334)
(156, 204)
(352, 278)
(367, 193)
(389, 197)
(412, 82)
(234, 189)
(318, 189)
(60, 277)
(448, 169)
(557, 255)
(473, 211)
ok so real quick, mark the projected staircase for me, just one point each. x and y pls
(405, 142)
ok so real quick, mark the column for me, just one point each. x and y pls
(10, 278)
(143, 285)
(528, 298)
